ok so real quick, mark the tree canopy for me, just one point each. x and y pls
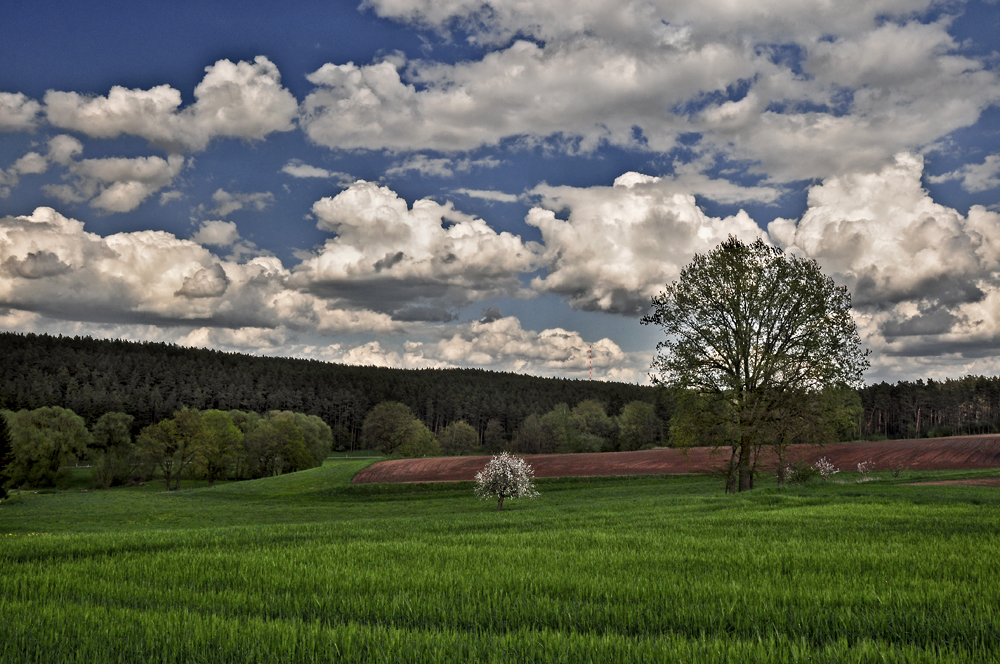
(752, 327)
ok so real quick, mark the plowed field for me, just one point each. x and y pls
(956, 453)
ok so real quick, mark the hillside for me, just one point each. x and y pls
(151, 380)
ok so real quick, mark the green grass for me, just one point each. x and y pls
(308, 568)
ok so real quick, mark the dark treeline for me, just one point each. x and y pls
(952, 407)
(150, 381)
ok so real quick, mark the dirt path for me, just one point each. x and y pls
(955, 453)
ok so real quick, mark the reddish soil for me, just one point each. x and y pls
(956, 453)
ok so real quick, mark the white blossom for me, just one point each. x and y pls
(826, 468)
(505, 476)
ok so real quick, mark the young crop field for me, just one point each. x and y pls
(307, 567)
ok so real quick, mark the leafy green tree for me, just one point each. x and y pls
(317, 433)
(494, 437)
(261, 451)
(159, 447)
(293, 449)
(114, 456)
(560, 434)
(458, 438)
(217, 446)
(419, 443)
(391, 428)
(245, 422)
(530, 436)
(638, 426)
(753, 326)
(42, 441)
(598, 431)
(5, 454)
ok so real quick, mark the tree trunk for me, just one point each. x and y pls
(780, 448)
(500, 504)
(731, 473)
(746, 479)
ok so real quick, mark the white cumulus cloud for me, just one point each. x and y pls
(50, 265)
(975, 177)
(117, 184)
(800, 90)
(18, 112)
(413, 261)
(622, 244)
(239, 100)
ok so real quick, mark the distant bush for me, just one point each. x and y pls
(801, 473)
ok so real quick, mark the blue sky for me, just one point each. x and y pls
(422, 183)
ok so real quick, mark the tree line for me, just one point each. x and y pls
(37, 446)
(962, 406)
(393, 429)
(151, 381)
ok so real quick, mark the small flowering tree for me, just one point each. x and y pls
(505, 476)
(826, 468)
(866, 467)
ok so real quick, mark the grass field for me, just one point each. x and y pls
(308, 568)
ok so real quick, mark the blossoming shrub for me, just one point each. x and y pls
(505, 476)
(826, 468)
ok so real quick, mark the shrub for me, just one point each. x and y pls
(801, 473)
(826, 468)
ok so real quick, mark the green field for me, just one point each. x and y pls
(307, 568)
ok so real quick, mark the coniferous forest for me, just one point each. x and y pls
(150, 381)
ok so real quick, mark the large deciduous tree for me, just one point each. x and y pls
(391, 428)
(750, 327)
(458, 438)
(114, 456)
(42, 442)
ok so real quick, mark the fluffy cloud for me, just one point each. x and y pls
(801, 89)
(117, 184)
(50, 265)
(217, 233)
(500, 344)
(31, 163)
(496, 21)
(18, 112)
(413, 262)
(241, 100)
(622, 244)
(924, 278)
(504, 343)
(889, 241)
(975, 177)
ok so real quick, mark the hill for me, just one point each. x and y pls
(151, 380)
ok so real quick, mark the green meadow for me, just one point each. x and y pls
(306, 567)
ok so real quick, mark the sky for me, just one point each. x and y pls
(503, 184)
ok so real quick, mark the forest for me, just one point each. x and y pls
(151, 381)
(917, 409)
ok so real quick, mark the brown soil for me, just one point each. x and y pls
(955, 453)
